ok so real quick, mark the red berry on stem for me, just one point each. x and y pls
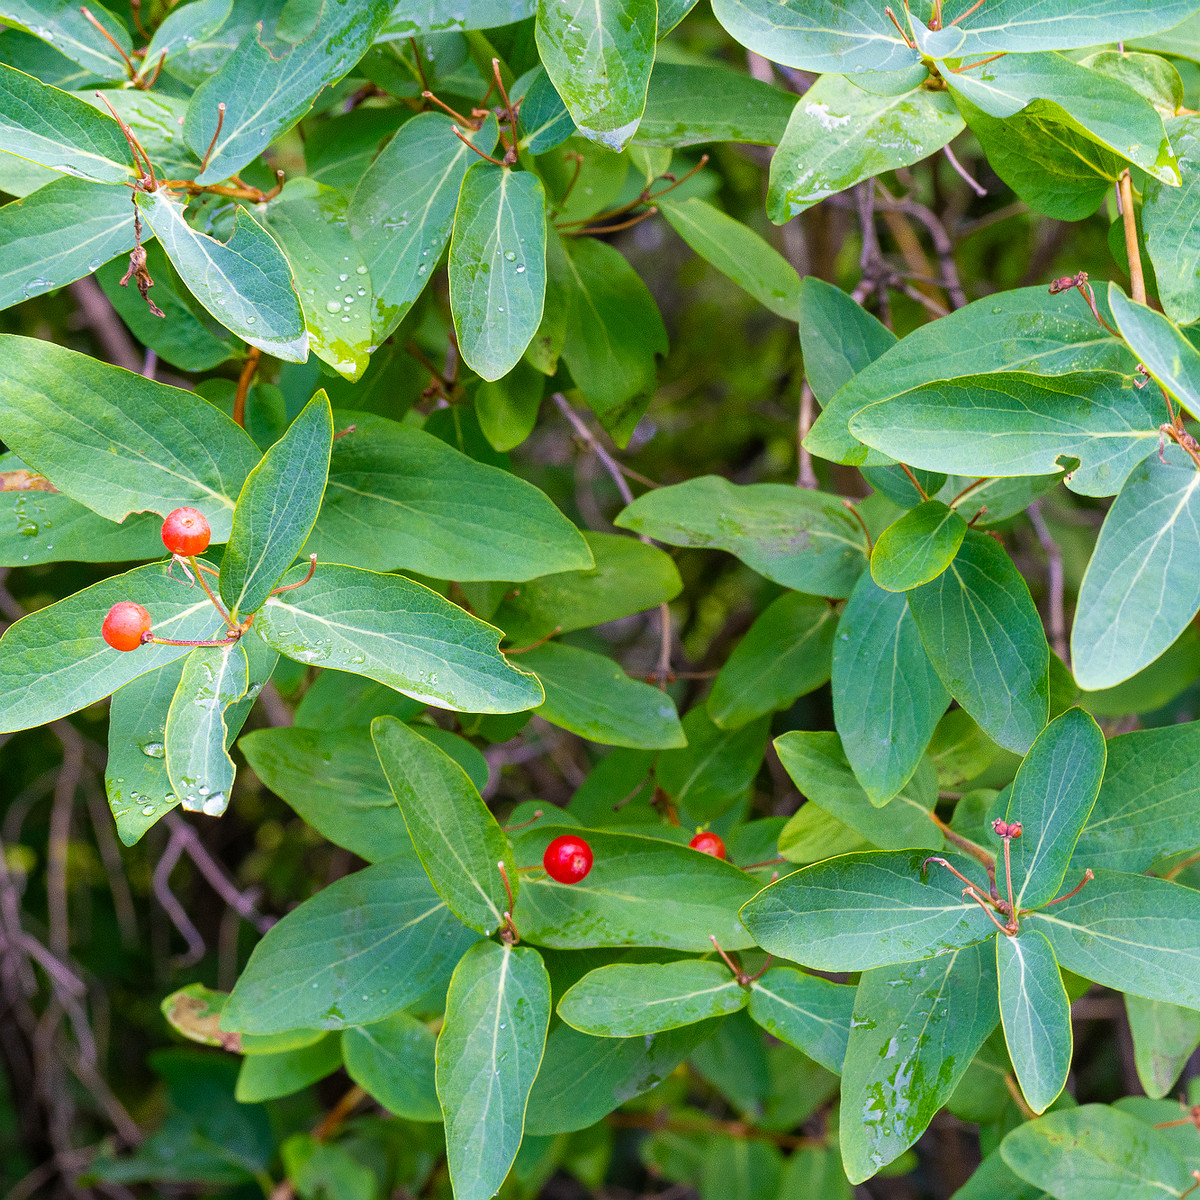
(186, 531)
(124, 625)
(568, 859)
(708, 843)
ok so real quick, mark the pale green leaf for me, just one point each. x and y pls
(806, 1011)
(1165, 1036)
(1172, 235)
(393, 1060)
(1160, 346)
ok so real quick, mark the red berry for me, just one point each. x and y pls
(708, 843)
(124, 625)
(568, 859)
(186, 532)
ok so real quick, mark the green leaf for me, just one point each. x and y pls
(54, 661)
(917, 547)
(457, 839)
(838, 336)
(60, 233)
(245, 283)
(914, 1032)
(183, 27)
(61, 23)
(740, 1169)
(508, 408)
(1160, 346)
(397, 632)
(403, 210)
(60, 410)
(198, 764)
(309, 222)
(818, 35)
(690, 103)
(433, 510)
(614, 330)
(589, 695)
(784, 654)
(1165, 1036)
(154, 118)
(60, 131)
(840, 135)
(266, 89)
(887, 696)
(1020, 424)
(435, 16)
(1036, 1013)
(708, 774)
(599, 57)
(497, 266)
(812, 835)
(806, 1011)
(277, 508)
(1096, 1151)
(866, 910)
(584, 1078)
(1172, 239)
(633, 999)
(1139, 591)
(985, 639)
(738, 252)
(1022, 330)
(628, 577)
(799, 538)
(488, 1055)
(1130, 932)
(334, 781)
(1092, 103)
(1052, 798)
(817, 765)
(393, 1061)
(1149, 802)
(641, 891)
(270, 1076)
(354, 953)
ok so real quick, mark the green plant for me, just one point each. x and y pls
(393, 270)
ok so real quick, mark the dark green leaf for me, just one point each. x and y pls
(359, 950)
(508, 408)
(740, 1169)
(1165, 1036)
(399, 633)
(641, 891)
(784, 654)
(806, 1011)
(838, 336)
(457, 839)
(488, 1055)
(183, 27)
(708, 774)
(799, 538)
(269, 1076)
(393, 1061)
(918, 547)
(866, 910)
(985, 639)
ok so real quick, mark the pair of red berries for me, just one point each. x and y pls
(568, 858)
(185, 533)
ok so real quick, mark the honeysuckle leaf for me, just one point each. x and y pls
(1172, 241)
(63, 26)
(1165, 1036)
(1160, 346)
(806, 1011)
(689, 103)
(917, 547)
(393, 1060)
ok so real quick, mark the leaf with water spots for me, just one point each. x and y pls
(61, 24)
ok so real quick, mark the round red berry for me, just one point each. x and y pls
(124, 625)
(708, 843)
(186, 531)
(568, 859)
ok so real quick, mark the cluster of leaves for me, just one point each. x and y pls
(288, 180)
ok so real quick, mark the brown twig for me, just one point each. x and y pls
(212, 145)
(1137, 282)
(291, 587)
(806, 477)
(108, 37)
(1057, 586)
(243, 385)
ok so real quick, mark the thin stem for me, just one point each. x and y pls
(849, 506)
(806, 477)
(148, 638)
(534, 645)
(770, 862)
(509, 933)
(537, 816)
(1180, 867)
(1196, 1177)
(243, 386)
(574, 178)
(193, 562)
(108, 37)
(216, 134)
(147, 84)
(987, 908)
(291, 587)
(981, 63)
(1137, 281)
(975, 892)
(450, 111)
(609, 463)
(1012, 910)
(466, 141)
(663, 673)
(977, 852)
(738, 973)
(891, 16)
(644, 197)
(412, 41)
(964, 174)
(967, 491)
(142, 165)
(1088, 876)
(512, 112)
(599, 230)
(760, 973)
(962, 16)
(914, 481)
(1058, 625)
(1014, 1089)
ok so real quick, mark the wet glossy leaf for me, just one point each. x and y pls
(358, 950)
(599, 58)
(690, 103)
(393, 1060)
(399, 633)
(799, 538)
(59, 410)
(456, 838)
(640, 891)
(635, 999)
(1052, 798)
(806, 1011)
(839, 135)
(488, 1055)
(914, 1032)
(783, 655)
(985, 639)
(708, 774)
(866, 910)
(410, 16)
(591, 696)
(497, 266)
(1036, 1014)
(917, 547)
(183, 27)
(61, 24)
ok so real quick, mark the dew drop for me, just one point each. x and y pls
(333, 306)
